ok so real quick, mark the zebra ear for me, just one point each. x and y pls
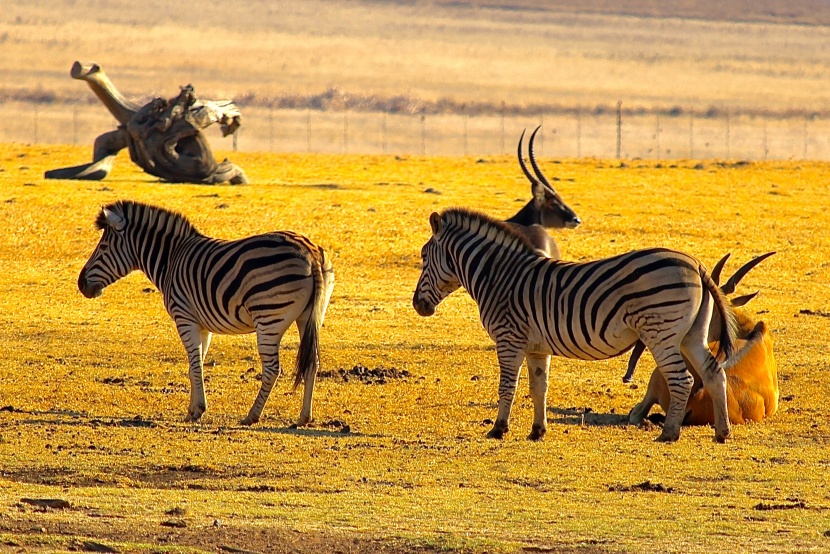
(114, 220)
(436, 224)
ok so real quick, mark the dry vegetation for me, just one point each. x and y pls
(93, 392)
(465, 52)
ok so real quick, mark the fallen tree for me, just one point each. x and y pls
(164, 137)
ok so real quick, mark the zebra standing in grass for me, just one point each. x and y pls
(257, 284)
(534, 307)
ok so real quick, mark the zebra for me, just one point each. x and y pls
(535, 307)
(212, 286)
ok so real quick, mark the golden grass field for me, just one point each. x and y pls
(759, 59)
(94, 391)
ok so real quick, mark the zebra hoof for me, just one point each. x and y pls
(194, 415)
(248, 421)
(722, 438)
(498, 431)
(537, 433)
(667, 437)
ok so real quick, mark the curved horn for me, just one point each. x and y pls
(729, 286)
(530, 177)
(536, 169)
(718, 268)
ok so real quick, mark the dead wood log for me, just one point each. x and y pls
(164, 137)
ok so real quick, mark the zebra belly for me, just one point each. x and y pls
(558, 342)
(244, 285)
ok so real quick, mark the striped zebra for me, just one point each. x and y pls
(257, 284)
(534, 307)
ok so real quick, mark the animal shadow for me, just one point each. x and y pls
(585, 416)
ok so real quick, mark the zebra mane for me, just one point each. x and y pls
(137, 212)
(487, 226)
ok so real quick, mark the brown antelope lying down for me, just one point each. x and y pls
(751, 374)
(546, 210)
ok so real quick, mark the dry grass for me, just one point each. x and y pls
(428, 50)
(415, 470)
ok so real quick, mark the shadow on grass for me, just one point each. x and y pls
(306, 432)
(68, 418)
(585, 416)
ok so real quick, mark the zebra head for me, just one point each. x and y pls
(438, 275)
(114, 256)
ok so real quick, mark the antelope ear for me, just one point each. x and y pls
(437, 224)
(114, 220)
(540, 193)
(739, 301)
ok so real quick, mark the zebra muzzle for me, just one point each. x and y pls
(87, 289)
(423, 307)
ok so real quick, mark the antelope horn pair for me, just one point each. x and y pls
(732, 283)
(540, 177)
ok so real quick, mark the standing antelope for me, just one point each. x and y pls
(257, 284)
(751, 374)
(534, 307)
(546, 210)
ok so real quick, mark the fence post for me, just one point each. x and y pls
(692, 133)
(35, 125)
(619, 128)
(235, 135)
(423, 133)
(383, 133)
(308, 131)
(346, 131)
(464, 126)
(503, 151)
(766, 144)
(657, 133)
(804, 146)
(271, 128)
(728, 151)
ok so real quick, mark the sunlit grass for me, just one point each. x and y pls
(416, 468)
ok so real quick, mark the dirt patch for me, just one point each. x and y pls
(377, 376)
(791, 505)
(645, 486)
(217, 537)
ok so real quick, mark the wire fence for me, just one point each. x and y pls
(609, 134)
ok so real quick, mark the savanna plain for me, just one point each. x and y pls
(94, 392)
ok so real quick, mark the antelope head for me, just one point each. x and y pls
(745, 323)
(547, 208)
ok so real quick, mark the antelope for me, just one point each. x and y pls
(546, 210)
(751, 374)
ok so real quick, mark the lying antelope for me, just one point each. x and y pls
(546, 210)
(751, 374)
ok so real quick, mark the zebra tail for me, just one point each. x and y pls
(729, 325)
(308, 354)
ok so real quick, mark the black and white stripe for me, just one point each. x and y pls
(259, 284)
(535, 307)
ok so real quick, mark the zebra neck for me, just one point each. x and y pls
(481, 270)
(155, 251)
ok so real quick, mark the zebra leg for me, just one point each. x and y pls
(679, 380)
(194, 339)
(268, 345)
(510, 362)
(714, 381)
(538, 369)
